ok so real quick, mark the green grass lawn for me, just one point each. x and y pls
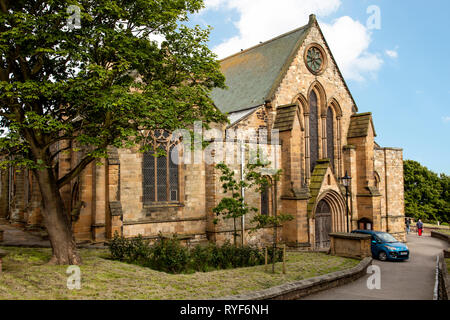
(26, 276)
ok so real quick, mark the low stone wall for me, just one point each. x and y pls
(443, 286)
(350, 245)
(303, 288)
(441, 235)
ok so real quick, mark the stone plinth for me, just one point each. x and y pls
(350, 245)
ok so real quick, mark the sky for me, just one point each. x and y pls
(394, 55)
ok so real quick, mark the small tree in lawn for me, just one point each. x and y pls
(233, 207)
(262, 182)
(258, 176)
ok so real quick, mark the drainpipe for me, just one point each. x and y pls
(386, 191)
(242, 189)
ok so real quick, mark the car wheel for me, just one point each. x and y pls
(382, 256)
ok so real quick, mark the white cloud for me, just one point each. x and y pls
(446, 119)
(261, 20)
(349, 41)
(392, 53)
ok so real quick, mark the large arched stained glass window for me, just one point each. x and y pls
(160, 177)
(330, 136)
(313, 130)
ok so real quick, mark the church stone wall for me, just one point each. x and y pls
(187, 218)
(389, 166)
(299, 80)
(223, 230)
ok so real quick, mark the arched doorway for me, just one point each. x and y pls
(323, 225)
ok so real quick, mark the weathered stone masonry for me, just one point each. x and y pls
(290, 84)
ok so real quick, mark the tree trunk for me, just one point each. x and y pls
(57, 221)
(274, 248)
(235, 232)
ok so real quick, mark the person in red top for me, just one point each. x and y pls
(420, 227)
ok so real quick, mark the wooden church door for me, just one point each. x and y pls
(323, 225)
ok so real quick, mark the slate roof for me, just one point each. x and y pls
(252, 74)
(285, 117)
(359, 125)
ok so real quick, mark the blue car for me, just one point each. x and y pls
(386, 247)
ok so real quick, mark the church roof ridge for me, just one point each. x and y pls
(252, 74)
(264, 43)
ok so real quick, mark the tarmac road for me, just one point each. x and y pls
(409, 280)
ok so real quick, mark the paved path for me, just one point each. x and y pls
(410, 280)
(17, 237)
(13, 236)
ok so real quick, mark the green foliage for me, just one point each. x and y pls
(263, 221)
(102, 84)
(234, 206)
(168, 255)
(129, 250)
(427, 195)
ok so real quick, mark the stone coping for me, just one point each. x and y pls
(352, 236)
(443, 279)
(440, 235)
(299, 289)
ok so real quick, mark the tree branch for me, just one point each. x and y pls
(58, 152)
(75, 171)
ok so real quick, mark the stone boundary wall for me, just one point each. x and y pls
(299, 289)
(443, 286)
(440, 235)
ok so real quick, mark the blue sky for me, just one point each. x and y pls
(399, 70)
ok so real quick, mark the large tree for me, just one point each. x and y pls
(97, 84)
(427, 195)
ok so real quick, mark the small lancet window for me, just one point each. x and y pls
(313, 130)
(330, 136)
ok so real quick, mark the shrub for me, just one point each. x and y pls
(168, 255)
(129, 250)
(203, 258)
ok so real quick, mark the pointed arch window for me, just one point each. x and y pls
(313, 130)
(160, 173)
(330, 136)
(265, 199)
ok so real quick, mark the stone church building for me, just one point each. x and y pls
(291, 85)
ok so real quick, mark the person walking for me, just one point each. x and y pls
(420, 227)
(408, 225)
